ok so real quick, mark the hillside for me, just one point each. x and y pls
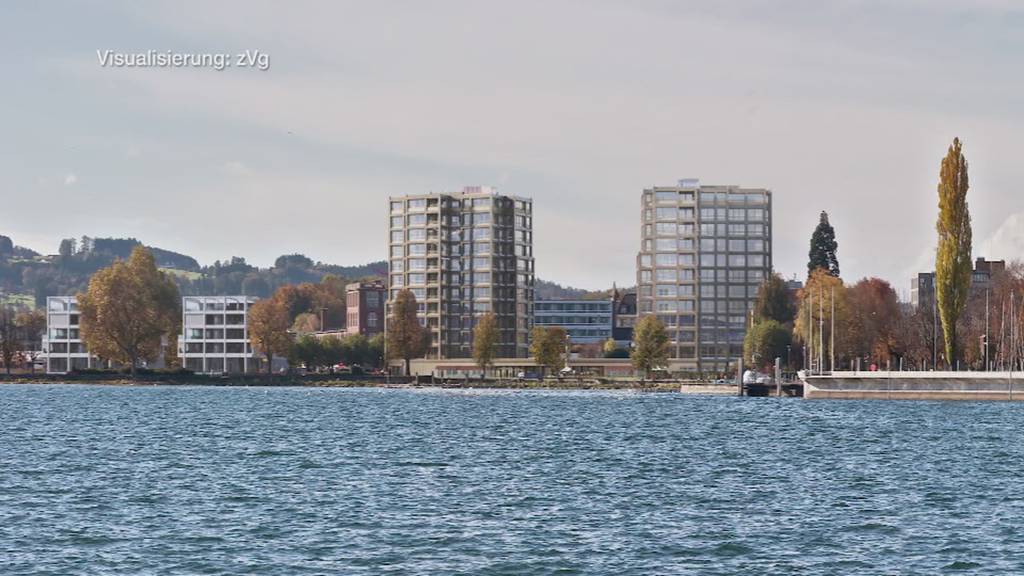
(26, 276)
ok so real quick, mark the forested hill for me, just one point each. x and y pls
(26, 276)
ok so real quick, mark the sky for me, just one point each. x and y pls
(846, 107)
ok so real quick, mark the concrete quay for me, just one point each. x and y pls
(885, 385)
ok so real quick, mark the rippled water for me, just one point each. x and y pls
(108, 480)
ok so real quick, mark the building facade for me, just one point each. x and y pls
(464, 254)
(922, 287)
(63, 348)
(585, 321)
(705, 250)
(364, 308)
(215, 335)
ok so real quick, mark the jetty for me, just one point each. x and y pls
(913, 385)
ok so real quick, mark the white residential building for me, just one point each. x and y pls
(215, 335)
(63, 349)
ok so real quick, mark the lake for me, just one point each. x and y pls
(204, 480)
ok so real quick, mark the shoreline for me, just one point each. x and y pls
(679, 387)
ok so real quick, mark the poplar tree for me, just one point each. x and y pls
(485, 340)
(823, 248)
(953, 254)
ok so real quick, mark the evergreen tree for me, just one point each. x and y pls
(953, 254)
(823, 248)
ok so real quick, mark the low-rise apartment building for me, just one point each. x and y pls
(215, 335)
(63, 349)
(585, 321)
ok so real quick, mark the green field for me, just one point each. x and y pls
(18, 300)
(183, 273)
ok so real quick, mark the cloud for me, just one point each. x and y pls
(70, 179)
(1007, 242)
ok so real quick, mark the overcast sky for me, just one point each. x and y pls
(840, 106)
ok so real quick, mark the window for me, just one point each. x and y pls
(666, 306)
(416, 234)
(417, 249)
(645, 275)
(686, 275)
(707, 213)
(645, 260)
(397, 251)
(417, 264)
(666, 196)
(482, 278)
(482, 248)
(417, 279)
(666, 290)
(418, 204)
(737, 214)
(665, 274)
(737, 245)
(665, 244)
(396, 206)
(666, 259)
(755, 229)
(686, 213)
(666, 213)
(737, 260)
(664, 229)
(371, 319)
(756, 261)
(396, 222)
(481, 234)
(397, 265)
(755, 214)
(707, 260)
(755, 245)
(707, 244)
(417, 219)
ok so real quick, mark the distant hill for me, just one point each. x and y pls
(34, 277)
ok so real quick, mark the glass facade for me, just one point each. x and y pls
(465, 254)
(704, 252)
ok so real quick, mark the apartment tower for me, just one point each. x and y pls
(462, 255)
(705, 250)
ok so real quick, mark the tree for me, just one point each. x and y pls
(547, 346)
(652, 343)
(308, 351)
(306, 323)
(953, 254)
(773, 301)
(765, 341)
(268, 329)
(485, 340)
(824, 247)
(406, 336)
(31, 325)
(128, 310)
(9, 341)
(6, 246)
(873, 319)
(818, 291)
(67, 248)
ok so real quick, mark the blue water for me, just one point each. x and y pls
(163, 480)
